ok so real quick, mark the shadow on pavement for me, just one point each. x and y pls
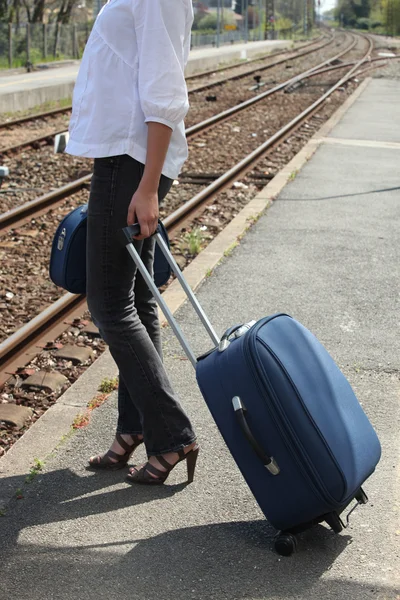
(218, 561)
(392, 189)
(57, 496)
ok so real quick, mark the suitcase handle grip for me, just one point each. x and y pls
(131, 231)
(268, 461)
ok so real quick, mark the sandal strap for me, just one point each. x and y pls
(111, 454)
(124, 444)
(143, 474)
(164, 463)
(157, 472)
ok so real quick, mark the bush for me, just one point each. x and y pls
(208, 22)
(283, 24)
(363, 23)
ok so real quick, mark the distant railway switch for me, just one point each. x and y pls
(60, 142)
(4, 172)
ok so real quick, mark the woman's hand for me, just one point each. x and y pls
(143, 209)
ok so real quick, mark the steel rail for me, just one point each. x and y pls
(32, 142)
(251, 60)
(353, 62)
(222, 116)
(27, 209)
(211, 84)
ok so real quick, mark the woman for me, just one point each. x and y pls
(129, 103)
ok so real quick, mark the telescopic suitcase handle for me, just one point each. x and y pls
(134, 230)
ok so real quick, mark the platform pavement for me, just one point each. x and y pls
(327, 252)
(25, 90)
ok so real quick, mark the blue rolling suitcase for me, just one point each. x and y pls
(287, 414)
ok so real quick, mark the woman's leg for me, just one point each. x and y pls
(111, 299)
(146, 306)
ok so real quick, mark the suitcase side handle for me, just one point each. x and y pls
(133, 230)
(268, 461)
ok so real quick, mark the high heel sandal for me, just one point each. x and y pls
(144, 475)
(103, 461)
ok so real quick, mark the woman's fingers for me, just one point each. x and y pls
(131, 218)
(144, 230)
(143, 209)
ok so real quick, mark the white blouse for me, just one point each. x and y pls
(132, 72)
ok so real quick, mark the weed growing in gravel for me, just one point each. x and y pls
(81, 421)
(209, 272)
(97, 401)
(19, 494)
(193, 241)
(231, 248)
(37, 467)
(3, 512)
(108, 385)
(293, 175)
(254, 218)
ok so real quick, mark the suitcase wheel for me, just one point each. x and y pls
(362, 497)
(285, 544)
(334, 522)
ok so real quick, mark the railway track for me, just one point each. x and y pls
(19, 215)
(19, 348)
(199, 75)
(287, 56)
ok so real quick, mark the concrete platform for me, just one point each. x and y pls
(25, 90)
(327, 252)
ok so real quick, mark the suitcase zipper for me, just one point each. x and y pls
(320, 482)
(279, 418)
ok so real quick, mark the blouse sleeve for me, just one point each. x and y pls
(161, 33)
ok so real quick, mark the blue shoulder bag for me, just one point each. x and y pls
(68, 254)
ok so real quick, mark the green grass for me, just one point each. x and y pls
(108, 385)
(36, 57)
(193, 241)
(35, 469)
(50, 105)
(231, 248)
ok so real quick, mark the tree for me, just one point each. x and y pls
(38, 11)
(65, 11)
(238, 7)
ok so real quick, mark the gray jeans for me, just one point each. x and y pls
(126, 313)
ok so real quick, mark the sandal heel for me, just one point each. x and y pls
(150, 475)
(191, 460)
